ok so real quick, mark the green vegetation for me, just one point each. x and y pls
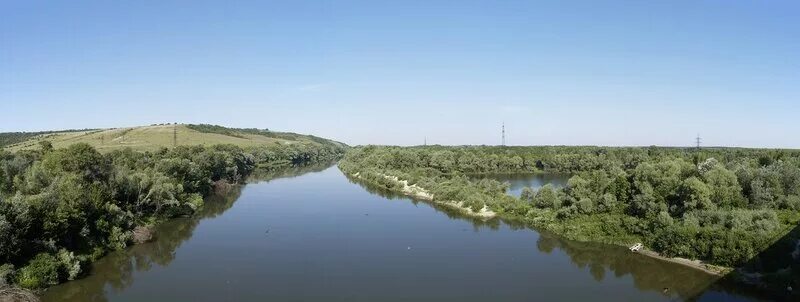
(247, 132)
(720, 205)
(42, 271)
(61, 208)
(12, 138)
(154, 137)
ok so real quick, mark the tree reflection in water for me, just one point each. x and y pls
(116, 270)
(602, 261)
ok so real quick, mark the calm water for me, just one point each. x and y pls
(311, 234)
(519, 181)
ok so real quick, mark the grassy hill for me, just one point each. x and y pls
(151, 138)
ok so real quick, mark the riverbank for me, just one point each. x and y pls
(16, 294)
(710, 269)
(545, 221)
(418, 192)
(719, 271)
(272, 228)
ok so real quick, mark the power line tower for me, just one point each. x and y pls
(175, 135)
(504, 134)
(698, 140)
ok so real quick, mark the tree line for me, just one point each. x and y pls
(12, 138)
(720, 205)
(60, 209)
(241, 132)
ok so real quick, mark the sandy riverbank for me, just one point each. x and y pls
(485, 213)
(719, 271)
(412, 190)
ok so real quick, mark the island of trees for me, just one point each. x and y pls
(62, 208)
(720, 205)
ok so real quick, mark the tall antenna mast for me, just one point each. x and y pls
(698, 140)
(504, 134)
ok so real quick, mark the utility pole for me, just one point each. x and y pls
(698, 140)
(504, 134)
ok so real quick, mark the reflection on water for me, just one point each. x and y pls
(450, 212)
(601, 261)
(319, 237)
(518, 181)
(116, 269)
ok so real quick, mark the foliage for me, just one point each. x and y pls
(241, 132)
(60, 208)
(6, 273)
(11, 138)
(153, 138)
(40, 272)
(722, 205)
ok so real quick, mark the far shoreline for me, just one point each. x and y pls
(416, 192)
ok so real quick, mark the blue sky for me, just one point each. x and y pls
(556, 72)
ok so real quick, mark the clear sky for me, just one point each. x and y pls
(556, 72)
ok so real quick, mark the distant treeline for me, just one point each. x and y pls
(60, 209)
(721, 205)
(10, 138)
(240, 132)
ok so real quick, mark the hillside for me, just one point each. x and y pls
(150, 138)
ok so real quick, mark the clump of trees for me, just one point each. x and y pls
(63, 208)
(721, 205)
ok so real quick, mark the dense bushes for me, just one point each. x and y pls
(62, 208)
(41, 271)
(720, 205)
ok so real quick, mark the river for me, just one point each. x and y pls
(312, 234)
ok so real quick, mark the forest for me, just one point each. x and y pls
(720, 205)
(61, 209)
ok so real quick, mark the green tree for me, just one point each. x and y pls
(40, 272)
(725, 188)
(527, 194)
(694, 195)
(546, 197)
(579, 188)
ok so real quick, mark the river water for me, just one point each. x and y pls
(312, 234)
(518, 181)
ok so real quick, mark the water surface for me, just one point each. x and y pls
(319, 236)
(518, 181)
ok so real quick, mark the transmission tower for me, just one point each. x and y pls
(504, 134)
(698, 140)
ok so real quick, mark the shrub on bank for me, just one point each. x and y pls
(40, 272)
(60, 208)
(717, 205)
